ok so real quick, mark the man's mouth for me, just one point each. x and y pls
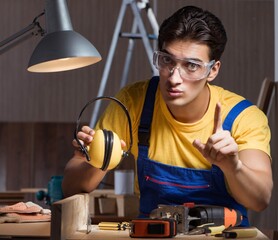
(174, 92)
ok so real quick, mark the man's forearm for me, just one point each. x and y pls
(79, 176)
(252, 188)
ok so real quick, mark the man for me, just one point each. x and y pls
(206, 145)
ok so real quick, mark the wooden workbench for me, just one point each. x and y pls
(123, 235)
(34, 231)
(69, 218)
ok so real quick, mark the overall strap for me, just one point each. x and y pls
(234, 112)
(147, 112)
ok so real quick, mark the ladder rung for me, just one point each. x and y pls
(137, 35)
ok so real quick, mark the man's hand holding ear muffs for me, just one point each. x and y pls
(85, 137)
(103, 148)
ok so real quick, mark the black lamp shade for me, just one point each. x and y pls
(62, 48)
(62, 51)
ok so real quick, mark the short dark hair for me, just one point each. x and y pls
(193, 23)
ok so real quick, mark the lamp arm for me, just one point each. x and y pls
(21, 35)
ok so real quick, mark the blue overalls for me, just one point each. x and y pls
(171, 185)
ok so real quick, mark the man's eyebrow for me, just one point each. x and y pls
(188, 59)
(165, 51)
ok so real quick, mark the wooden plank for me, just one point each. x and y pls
(69, 215)
(265, 95)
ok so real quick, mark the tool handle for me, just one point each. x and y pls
(240, 233)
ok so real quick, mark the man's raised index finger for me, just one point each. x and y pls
(217, 118)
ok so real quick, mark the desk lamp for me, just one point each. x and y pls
(61, 48)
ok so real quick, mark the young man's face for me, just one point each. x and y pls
(184, 71)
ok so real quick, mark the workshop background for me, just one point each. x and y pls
(38, 111)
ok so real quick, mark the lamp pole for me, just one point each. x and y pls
(32, 29)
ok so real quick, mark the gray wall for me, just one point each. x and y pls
(58, 97)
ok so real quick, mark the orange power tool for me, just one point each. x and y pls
(190, 215)
(214, 214)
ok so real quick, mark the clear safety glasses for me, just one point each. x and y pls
(189, 69)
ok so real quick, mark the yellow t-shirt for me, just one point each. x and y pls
(170, 140)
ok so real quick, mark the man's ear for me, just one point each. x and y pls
(214, 71)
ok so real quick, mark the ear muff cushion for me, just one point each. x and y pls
(105, 150)
(109, 140)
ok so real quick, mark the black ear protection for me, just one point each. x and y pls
(105, 150)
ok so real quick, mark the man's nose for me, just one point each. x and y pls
(175, 75)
